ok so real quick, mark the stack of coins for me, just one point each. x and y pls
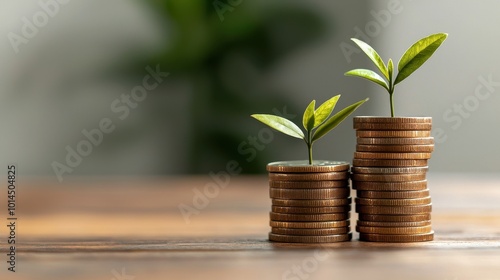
(389, 175)
(310, 203)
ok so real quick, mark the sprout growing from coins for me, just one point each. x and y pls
(317, 122)
(411, 60)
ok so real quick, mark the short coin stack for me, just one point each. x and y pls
(389, 175)
(310, 203)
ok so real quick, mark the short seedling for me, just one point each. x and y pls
(317, 122)
(411, 60)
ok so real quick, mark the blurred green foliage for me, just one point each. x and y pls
(225, 61)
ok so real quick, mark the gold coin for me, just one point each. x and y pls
(394, 230)
(388, 177)
(394, 210)
(393, 224)
(389, 170)
(393, 202)
(309, 193)
(396, 141)
(329, 224)
(399, 238)
(395, 218)
(389, 162)
(393, 194)
(392, 126)
(311, 210)
(308, 217)
(390, 186)
(308, 184)
(393, 133)
(367, 155)
(303, 166)
(327, 176)
(310, 239)
(312, 202)
(364, 119)
(311, 231)
(395, 148)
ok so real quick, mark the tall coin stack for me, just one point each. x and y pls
(310, 203)
(389, 175)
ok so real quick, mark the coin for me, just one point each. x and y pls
(393, 224)
(394, 210)
(311, 231)
(388, 177)
(396, 238)
(309, 239)
(364, 119)
(308, 217)
(389, 162)
(393, 202)
(393, 133)
(392, 126)
(367, 155)
(395, 218)
(395, 148)
(390, 186)
(303, 166)
(327, 176)
(309, 193)
(308, 185)
(311, 210)
(393, 194)
(389, 170)
(394, 230)
(312, 202)
(329, 224)
(396, 141)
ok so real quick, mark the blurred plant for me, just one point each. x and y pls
(198, 51)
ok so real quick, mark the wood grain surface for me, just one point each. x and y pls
(123, 228)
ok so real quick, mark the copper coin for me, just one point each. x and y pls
(388, 177)
(395, 218)
(329, 224)
(394, 210)
(393, 194)
(394, 230)
(396, 238)
(367, 155)
(395, 141)
(390, 186)
(311, 231)
(308, 217)
(303, 166)
(327, 176)
(393, 133)
(393, 202)
(308, 184)
(310, 239)
(393, 224)
(392, 126)
(389, 170)
(311, 210)
(312, 202)
(366, 119)
(395, 148)
(309, 193)
(389, 162)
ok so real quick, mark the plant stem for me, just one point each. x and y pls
(309, 148)
(392, 103)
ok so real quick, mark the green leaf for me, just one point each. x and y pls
(417, 54)
(280, 124)
(373, 55)
(324, 110)
(390, 69)
(370, 75)
(336, 119)
(308, 118)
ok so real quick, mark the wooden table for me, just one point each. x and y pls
(133, 229)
